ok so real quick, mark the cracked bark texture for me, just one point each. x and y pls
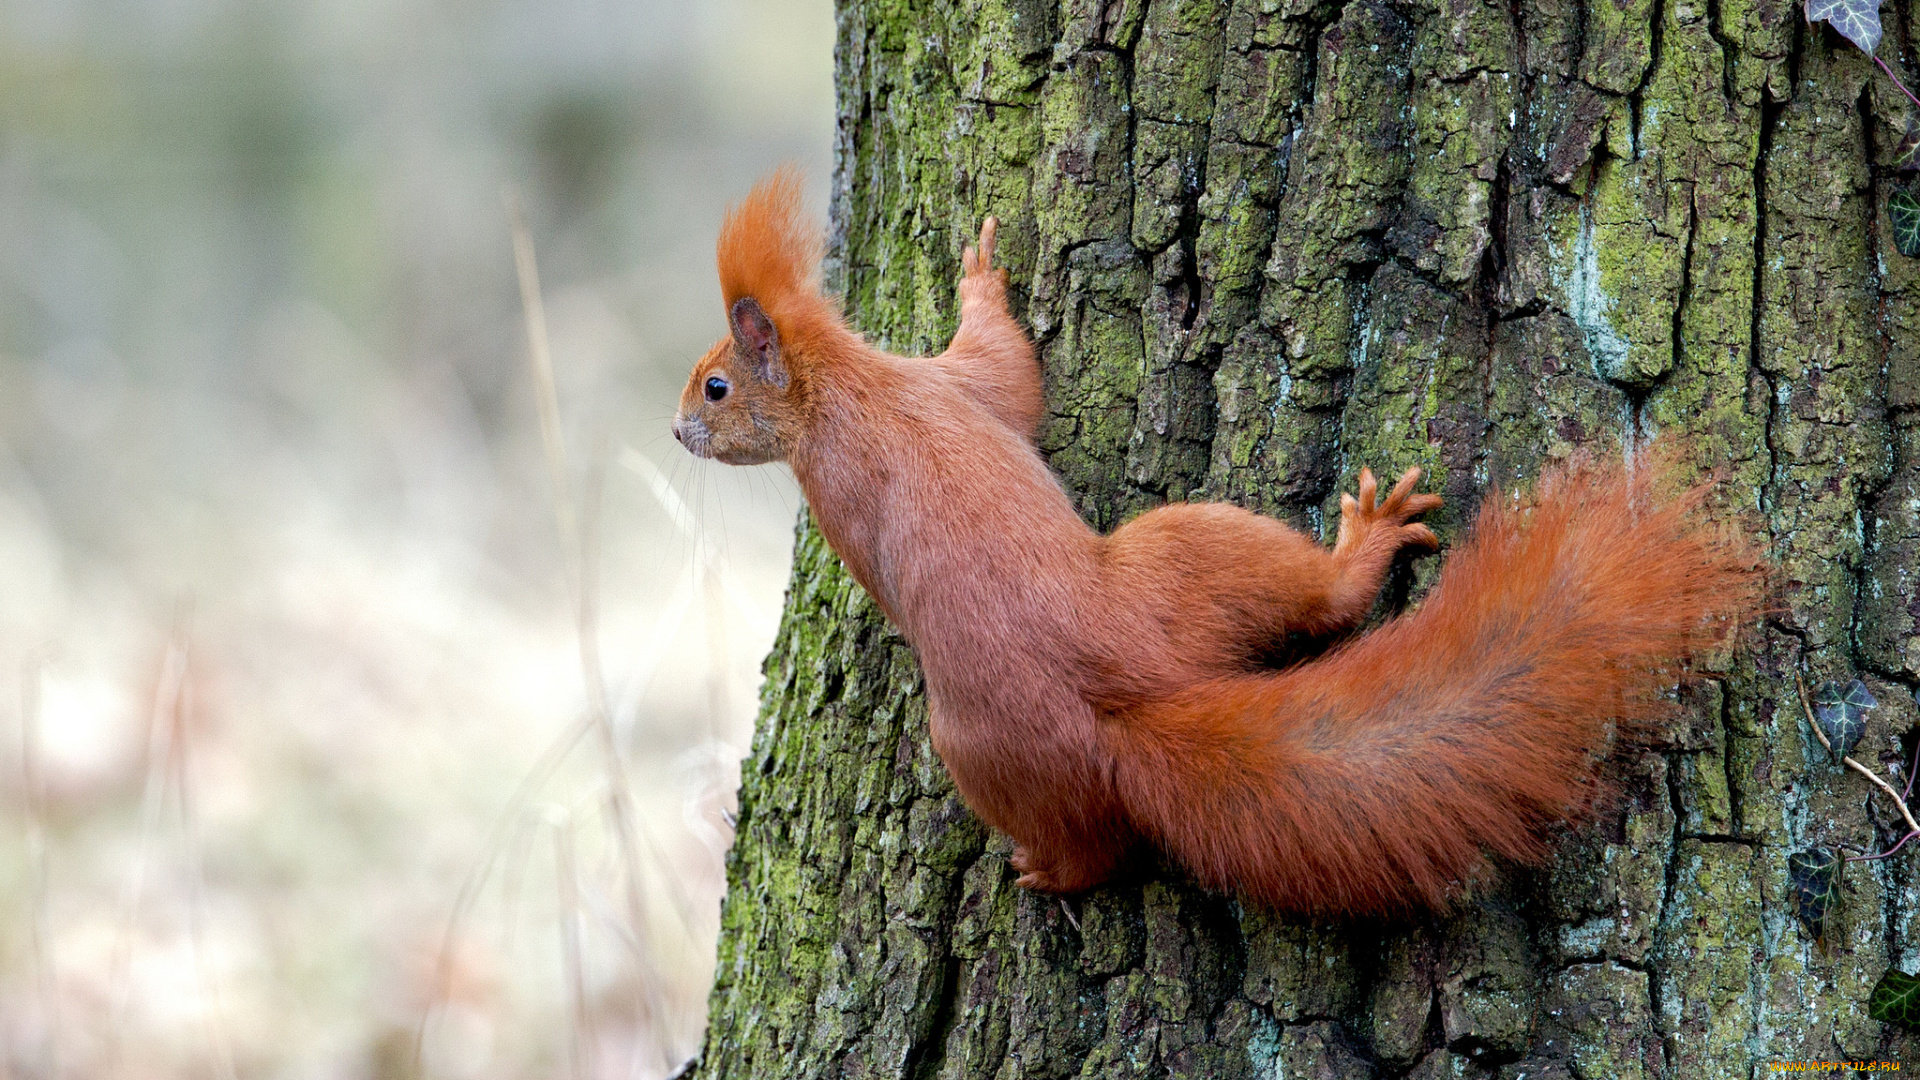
(1261, 244)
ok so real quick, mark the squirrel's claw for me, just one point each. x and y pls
(1420, 536)
(1401, 490)
(1401, 504)
(1420, 504)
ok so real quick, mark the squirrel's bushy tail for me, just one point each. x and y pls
(1378, 777)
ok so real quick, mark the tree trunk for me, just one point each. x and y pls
(1263, 243)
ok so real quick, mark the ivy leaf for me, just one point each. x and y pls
(1896, 1000)
(1813, 875)
(1903, 210)
(1906, 153)
(1859, 696)
(1841, 709)
(1857, 20)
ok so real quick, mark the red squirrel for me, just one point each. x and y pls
(1089, 692)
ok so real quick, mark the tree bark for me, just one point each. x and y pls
(1261, 244)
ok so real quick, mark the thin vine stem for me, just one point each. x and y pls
(1896, 80)
(1912, 768)
(1885, 854)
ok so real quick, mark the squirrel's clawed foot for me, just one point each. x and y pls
(1031, 876)
(1360, 517)
(1068, 876)
(977, 262)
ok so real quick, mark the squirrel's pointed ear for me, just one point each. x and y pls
(758, 341)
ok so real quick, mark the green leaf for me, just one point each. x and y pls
(1896, 1000)
(1841, 711)
(1813, 876)
(1906, 153)
(1857, 694)
(1857, 20)
(1903, 210)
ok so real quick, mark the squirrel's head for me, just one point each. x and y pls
(738, 405)
(743, 403)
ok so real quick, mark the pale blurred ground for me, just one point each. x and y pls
(284, 614)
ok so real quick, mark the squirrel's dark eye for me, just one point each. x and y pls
(716, 388)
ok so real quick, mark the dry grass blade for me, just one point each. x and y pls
(218, 1036)
(659, 638)
(567, 879)
(46, 979)
(513, 871)
(718, 703)
(169, 767)
(536, 778)
(160, 751)
(581, 544)
(664, 493)
(688, 523)
(546, 395)
(580, 539)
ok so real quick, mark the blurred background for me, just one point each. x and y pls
(298, 758)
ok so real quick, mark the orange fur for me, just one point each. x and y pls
(767, 253)
(1090, 692)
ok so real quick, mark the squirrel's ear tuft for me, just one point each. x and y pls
(769, 249)
(757, 341)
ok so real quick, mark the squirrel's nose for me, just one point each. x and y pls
(680, 429)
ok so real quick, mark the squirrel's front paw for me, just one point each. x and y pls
(1360, 517)
(980, 260)
(977, 262)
